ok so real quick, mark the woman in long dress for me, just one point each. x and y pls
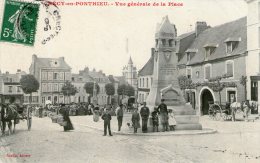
(65, 113)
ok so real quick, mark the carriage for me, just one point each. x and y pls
(228, 111)
(21, 113)
(220, 111)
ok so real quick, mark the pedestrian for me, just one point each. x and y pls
(172, 121)
(246, 109)
(120, 114)
(96, 114)
(107, 118)
(40, 112)
(145, 112)
(162, 108)
(65, 113)
(155, 120)
(136, 120)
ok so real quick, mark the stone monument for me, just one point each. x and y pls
(165, 78)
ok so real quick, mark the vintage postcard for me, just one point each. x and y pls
(129, 81)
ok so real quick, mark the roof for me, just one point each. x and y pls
(165, 26)
(218, 36)
(185, 41)
(51, 62)
(120, 79)
(81, 78)
(130, 61)
(148, 68)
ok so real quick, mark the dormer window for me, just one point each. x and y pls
(190, 54)
(170, 42)
(231, 44)
(163, 42)
(209, 50)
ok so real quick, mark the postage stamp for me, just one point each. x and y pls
(19, 22)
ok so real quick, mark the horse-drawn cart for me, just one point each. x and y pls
(12, 114)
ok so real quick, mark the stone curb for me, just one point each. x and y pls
(176, 133)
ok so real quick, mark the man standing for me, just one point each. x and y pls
(107, 118)
(120, 114)
(162, 108)
(145, 112)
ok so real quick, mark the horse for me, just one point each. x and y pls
(8, 114)
(244, 107)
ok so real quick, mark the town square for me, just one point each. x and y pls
(117, 87)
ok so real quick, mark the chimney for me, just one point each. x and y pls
(7, 73)
(152, 52)
(18, 70)
(62, 58)
(200, 27)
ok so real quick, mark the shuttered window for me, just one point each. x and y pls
(230, 68)
(207, 72)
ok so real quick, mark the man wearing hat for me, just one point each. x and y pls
(107, 118)
(145, 112)
(162, 108)
(120, 114)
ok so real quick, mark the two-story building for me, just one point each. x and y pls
(10, 87)
(51, 73)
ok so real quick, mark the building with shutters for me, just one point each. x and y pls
(52, 73)
(10, 87)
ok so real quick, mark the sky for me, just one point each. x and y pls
(95, 37)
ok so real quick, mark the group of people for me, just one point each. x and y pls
(167, 118)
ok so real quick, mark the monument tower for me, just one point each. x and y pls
(165, 78)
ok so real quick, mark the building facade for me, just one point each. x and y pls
(10, 87)
(52, 73)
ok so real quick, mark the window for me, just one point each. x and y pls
(49, 87)
(67, 75)
(143, 82)
(10, 89)
(44, 87)
(147, 82)
(34, 98)
(18, 88)
(50, 75)
(230, 68)
(55, 88)
(73, 79)
(55, 76)
(197, 74)
(151, 82)
(207, 71)
(60, 87)
(188, 73)
(61, 75)
(44, 76)
(163, 42)
(209, 51)
(140, 83)
(170, 42)
(230, 46)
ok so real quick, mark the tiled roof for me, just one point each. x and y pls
(235, 30)
(185, 40)
(148, 68)
(81, 78)
(48, 62)
(165, 26)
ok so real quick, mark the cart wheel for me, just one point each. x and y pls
(29, 119)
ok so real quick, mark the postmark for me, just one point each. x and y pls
(19, 22)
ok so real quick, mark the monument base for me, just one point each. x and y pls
(185, 117)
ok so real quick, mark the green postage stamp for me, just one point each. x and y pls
(19, 22)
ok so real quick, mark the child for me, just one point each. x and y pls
(155, 120)
(172, 121)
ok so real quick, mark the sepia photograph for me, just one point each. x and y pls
(129, 81)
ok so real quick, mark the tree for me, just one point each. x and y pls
(68, 89)
(243, 81)
(130, 91)
(185, 83)
(122, 90)
(110, 90)
(89, 87)
(29, 84)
